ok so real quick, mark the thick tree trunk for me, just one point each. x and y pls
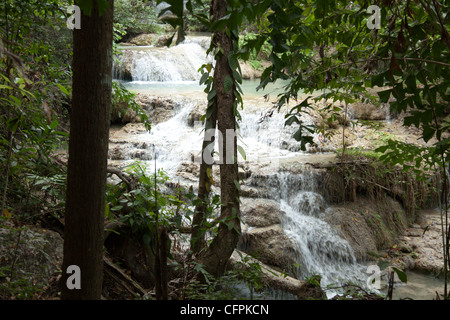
(88, 147)
(219, 251)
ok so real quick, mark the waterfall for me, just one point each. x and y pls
(174, 64)
(318, 247)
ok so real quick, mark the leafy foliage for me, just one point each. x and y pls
(134, 17)
(229, 286)
(123, 100)
(146, 205)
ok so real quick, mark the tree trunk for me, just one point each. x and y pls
(219, 251)
(204, 188)
(88, 147)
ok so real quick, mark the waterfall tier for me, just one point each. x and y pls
(318, 249)
(174, 64)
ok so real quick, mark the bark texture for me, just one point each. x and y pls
(216, 256)
(88, 149)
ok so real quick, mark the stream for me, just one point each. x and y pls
(318, 248)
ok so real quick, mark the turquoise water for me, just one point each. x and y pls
(192, 87)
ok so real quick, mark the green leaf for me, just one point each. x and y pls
(233, 62)
(378, 80)
(291, 120)
(204, 78)
(103, 5)
(211, 94)
(146, 239)
(411, 84)
(210, 111)
(382, 149)
(228, 83)
(221, 23)
(63, 89)
(13, 124)
(54, 124)
(384, 95)
(401, 275)
(382, 264)
(428, 133)
(408, 121)
(85, 6)
(298, 135)
(242, 152)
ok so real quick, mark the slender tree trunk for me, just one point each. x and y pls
(88, 147)
(216, 256)
(204, 189)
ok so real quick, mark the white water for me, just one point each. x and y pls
(174, 64)
(319, 249)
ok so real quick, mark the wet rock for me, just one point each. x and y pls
(149, 39)
(275, 279)
(122, 68)
(158, 109)
(116, 153)
(260, 212)
(244, 173)
(269, 245)
(127, 44)
(263, 236)
(368, 227)
(195, 115)
(189, 171)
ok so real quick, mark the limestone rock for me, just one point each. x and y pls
(263, 236)
(149, 39)
(366, 111)
(368, 227)
(195, 115)
(158, 109)
(260, 212)
(270, 245)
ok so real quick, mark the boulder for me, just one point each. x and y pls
(122, 67)
(145, 39)
(420, 247)
(195, 115)
(263, 236)
(260, 212)
(269, 245)
(367, 111)
(158, 109)
(367, 225)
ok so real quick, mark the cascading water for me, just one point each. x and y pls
(318, 248)
(179, 63)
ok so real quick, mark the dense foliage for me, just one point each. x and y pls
(35, 76)
(325, 49)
